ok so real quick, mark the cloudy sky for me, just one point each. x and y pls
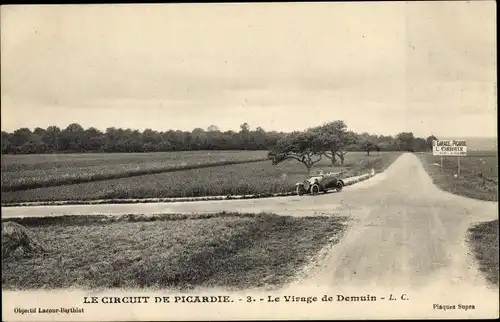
(426, 67)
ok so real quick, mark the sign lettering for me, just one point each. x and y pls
(449, 147)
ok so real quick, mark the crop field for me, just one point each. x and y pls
(478, 174)
(231, 251)
(20, 172)
(250, 178)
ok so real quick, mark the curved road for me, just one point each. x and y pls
(405, 233)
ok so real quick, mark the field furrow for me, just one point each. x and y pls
(21, 172)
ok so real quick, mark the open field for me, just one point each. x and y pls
(250, 178)
(479, 174)
(20, 172)
(231, 251)
(483, 238)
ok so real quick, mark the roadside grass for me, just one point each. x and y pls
(484, 241)
(226, 250)
(21, 172)
(478, 179)
(250, 178)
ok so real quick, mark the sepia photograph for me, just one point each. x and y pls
(224, 161)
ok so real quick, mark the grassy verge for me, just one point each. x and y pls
(232, 251)
(258, 178)
(478, 179)
(483, 238)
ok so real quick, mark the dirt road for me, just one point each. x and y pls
(409, 237)
(405, 233)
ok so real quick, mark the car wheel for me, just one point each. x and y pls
(340, 185)
(315, 189)
(300, 190)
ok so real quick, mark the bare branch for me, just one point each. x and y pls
(287, 157)
(325, 153)
(341, 153)
(319, 159)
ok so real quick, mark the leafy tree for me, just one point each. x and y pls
(164, 146)
(50, 138)
(38, 134)
(429, 141)
(70, 139)
(133, 141)
(348, 143)
(151, 137)
(6, 143)
(32, 147)
(213, 128)
(333, 138)
(305, 147)
(386, 143)
(244, 128)
(419, 144)
(405, 141)
(21, 136)
(258, 139)
(368, 146)
(92, 140)
(199, 139)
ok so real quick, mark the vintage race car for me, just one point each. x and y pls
(320, 183)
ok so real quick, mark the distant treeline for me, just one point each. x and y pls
(75, 139)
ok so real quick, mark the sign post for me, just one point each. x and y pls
(456, 148)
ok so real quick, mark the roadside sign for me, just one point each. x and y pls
(456, 148)
(449, 147)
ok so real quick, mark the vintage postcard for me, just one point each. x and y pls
(268, 161)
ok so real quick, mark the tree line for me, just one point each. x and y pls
(75, 139)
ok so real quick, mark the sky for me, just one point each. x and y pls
(383, 68)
